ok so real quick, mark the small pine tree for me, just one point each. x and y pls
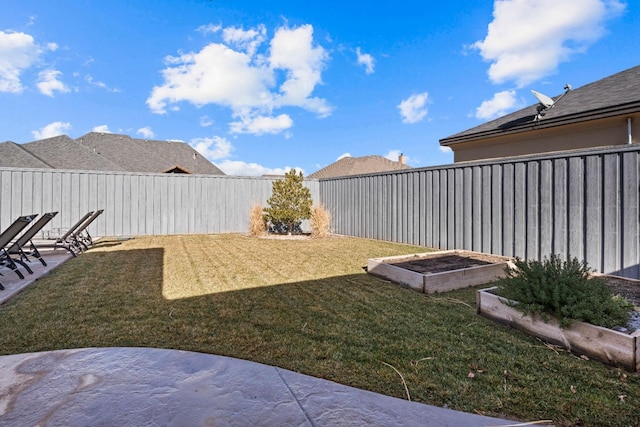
(289, 204)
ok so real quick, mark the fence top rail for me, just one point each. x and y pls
(149, 174)
(596, 151)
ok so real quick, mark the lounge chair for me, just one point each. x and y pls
(81, 236)
(66, 240)
(5, 239)
(19, 247)
(77, 238)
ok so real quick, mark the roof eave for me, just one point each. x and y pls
(618, 110)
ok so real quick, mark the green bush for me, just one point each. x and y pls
(564, 290)
(289, 204)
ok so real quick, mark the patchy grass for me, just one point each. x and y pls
(307, 306)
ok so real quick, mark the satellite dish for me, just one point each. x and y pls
(543, 99)
(545, 103)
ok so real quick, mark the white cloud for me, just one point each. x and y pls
(236, 168)
(212, 148)
(251, 84)
(101, 129)
(205, 121)
(209, 28)
(261, 125)
(247, 41)
(215, 75)
(48, 82)
(89, 79)
(528, 39)
(52, 46)
(18, 52)
(146, 132)
(292, 50)
(366, 60)
(413, 109)
(501, 103)
(342, 156)
(445, 150)
(51, 130)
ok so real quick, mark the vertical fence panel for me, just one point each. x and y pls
(507, 210)
(610, 213)
(497, 216)
(546, 208)
(520, 210)
(429, 215)
(593, 212)
(629, 242)
(576, 207)
(458, 208)
(451, 209)
(467, 208)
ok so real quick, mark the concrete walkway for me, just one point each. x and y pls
(13, 284)
(156, 387)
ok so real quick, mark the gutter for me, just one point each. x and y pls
(603, 113)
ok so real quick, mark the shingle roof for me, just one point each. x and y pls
(356, 166)
(615, 95)
(62, 152)
(139, 155)
(13, 155)
(107, 152)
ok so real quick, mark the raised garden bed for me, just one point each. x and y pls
(606, 345)
(440, 271)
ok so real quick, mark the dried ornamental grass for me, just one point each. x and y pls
(320, 221)
(257, 226)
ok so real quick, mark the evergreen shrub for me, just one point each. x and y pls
(565, 290)
(289, 204)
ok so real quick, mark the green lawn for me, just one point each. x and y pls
(308, 306)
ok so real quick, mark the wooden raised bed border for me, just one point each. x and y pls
(438, 282)
(606, 345)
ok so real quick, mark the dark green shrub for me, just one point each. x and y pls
(564, 290)
(289, 204)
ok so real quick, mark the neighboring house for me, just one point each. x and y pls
(602, 113)
(107, 152)
(359, 165)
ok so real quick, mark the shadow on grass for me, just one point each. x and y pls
(353, 329)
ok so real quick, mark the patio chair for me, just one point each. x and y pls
(5, 239)
(81, 235)
(19, 246)
(66, 240)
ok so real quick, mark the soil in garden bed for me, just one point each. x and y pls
(629, 289)
(445, 263)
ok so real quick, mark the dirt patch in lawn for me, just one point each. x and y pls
(446, 263)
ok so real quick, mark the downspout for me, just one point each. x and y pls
(629, 130)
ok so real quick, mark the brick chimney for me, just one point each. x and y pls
(402, 159)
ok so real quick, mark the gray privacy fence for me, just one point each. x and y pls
(135, 203)
(583, 204)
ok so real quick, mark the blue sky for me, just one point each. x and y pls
(260, 87)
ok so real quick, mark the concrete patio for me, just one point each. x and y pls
(160, 387)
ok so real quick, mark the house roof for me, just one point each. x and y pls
(14, 155)
(141, 155)
(62, 152)
(615, 95)
(356, 166)
(107, 152)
